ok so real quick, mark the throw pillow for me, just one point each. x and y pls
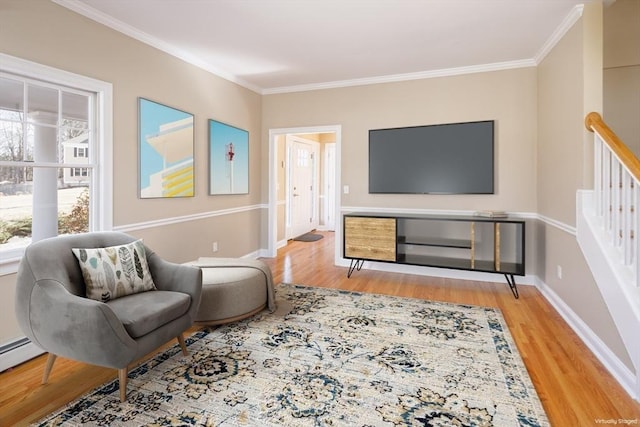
(114, 271)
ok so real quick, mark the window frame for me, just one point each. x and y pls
(102, 177)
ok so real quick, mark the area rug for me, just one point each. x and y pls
(329, 357)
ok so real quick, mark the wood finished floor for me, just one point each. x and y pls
(574, 387)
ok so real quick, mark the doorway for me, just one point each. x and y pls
(326, 200)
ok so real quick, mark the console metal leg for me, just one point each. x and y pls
(511, 281)
(356, 264)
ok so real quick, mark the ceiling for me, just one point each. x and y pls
(273, 46)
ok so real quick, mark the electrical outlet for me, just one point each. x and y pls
(215, 246)
(559, 271)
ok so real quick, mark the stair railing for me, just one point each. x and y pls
(617, 192)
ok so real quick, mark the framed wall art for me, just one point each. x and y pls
(228, 159)
(166, 145)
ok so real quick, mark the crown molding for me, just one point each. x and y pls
(104, 19)
(445, 72)
(558, 34)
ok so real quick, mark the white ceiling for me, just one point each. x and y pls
(273, 46)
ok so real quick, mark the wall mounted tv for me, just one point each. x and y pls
(455, 158)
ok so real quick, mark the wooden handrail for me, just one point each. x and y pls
(594, 122)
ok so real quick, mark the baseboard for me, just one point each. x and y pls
(19, 354)
(611, 362)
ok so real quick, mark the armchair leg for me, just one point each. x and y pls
(122, 379)
(182, 344)
(51, 358)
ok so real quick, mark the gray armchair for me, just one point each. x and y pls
(54, 313)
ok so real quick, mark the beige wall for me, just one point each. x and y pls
(569, 86)
(43, 32)
(622, 71)
(9, 329)
(560, 129)
(509, 97)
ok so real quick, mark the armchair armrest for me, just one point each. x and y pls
(76, 327)
(169, 276)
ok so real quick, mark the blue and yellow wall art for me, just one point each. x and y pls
(228, 159)
(166, 144)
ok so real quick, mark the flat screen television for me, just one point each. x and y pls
(455, 158)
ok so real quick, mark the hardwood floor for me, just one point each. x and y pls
(575, 389)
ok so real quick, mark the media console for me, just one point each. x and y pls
(474, 243)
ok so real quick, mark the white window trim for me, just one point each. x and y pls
(104, 131)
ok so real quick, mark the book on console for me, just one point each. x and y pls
(492, 214)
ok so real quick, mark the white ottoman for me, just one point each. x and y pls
(232, 289)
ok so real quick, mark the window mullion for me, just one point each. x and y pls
(25, 128)
(95, 173)
(59, 151)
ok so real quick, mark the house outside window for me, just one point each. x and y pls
(76, 151)
(55, 156)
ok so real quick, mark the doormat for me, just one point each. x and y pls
(308, 237)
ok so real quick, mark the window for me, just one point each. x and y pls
(79, 172)
(80, 152)
(55, 155)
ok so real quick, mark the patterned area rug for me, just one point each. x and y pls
(329, 357)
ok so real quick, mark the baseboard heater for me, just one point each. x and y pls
(16, 352)
(14, 344)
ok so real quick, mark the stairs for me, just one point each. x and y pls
(615, 281)
(608, 220)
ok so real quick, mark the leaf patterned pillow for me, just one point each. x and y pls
(114, 271)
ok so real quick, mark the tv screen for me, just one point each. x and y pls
(454, 158)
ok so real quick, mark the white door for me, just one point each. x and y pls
(302, 178)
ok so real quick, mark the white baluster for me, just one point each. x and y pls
(635, 265)
(626, 218)
(598, 147)
(606, 191)
(616, 205)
